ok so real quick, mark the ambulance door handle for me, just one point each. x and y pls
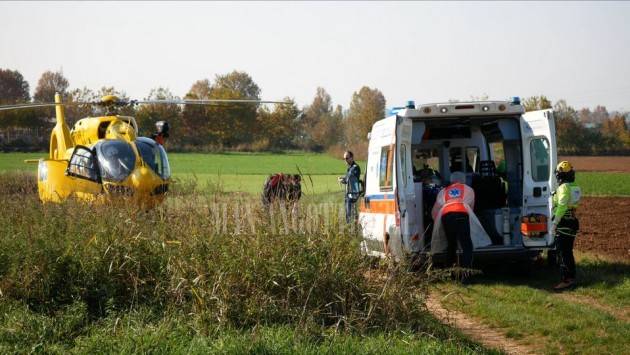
(537, 191)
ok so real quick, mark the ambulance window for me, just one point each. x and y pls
(472, 159)
(496, 149)
(539, 153)
(403, 164)
(426, 164)
(385, 169)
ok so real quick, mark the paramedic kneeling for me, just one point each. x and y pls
(452, 207)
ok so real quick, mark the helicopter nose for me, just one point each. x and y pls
(142, 179)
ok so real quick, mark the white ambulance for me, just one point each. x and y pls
(507, 154)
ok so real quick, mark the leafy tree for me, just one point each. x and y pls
(535, 103)
(195, 120)
(568, 129)
(599, 115)
(13, 88)
(277, 127)
(49, 84)
(234, 123)
(616, 134)
(367, 106)
(200, 90)
(147, 115)
(584, 116)
(329, 130)
(314, 117)
(222, 124)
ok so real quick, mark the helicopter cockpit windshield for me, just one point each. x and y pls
(154, 156)
(116, 159)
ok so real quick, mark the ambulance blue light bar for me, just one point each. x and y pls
(516, 100)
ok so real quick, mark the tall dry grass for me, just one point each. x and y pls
(222, 260)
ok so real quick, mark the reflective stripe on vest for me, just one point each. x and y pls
(454, 199)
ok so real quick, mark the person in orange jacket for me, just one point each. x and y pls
(455, 220)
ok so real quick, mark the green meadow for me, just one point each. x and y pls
(592, 319)
(177, 281)
(246, 172)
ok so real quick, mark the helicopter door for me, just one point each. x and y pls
(83, 172)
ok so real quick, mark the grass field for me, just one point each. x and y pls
(173, 282)
(604, 183)
(246, 172)
(243, 172)
(190, 278)
(592, 319)
(140, 332)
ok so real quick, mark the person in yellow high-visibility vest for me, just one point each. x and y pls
(565, 223)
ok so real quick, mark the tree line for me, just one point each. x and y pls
(586, 131)
(318, 126)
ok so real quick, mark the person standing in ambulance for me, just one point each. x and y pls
(456, 223)
(565, 223)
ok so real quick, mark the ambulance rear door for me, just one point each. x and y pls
(378, 206)
(407, 209)
(539, 160)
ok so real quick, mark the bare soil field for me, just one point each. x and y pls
(605, 226)
(599, 163)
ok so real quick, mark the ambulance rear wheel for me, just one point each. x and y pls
(524, 267)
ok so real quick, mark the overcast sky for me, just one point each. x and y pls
(427, 52)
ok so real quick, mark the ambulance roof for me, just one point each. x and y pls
(458, 109)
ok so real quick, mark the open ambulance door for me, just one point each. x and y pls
(408, 212)
(377, 208)
(538, 136)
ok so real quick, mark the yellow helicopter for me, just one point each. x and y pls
(103, 158)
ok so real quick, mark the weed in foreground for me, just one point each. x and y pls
(209, 263)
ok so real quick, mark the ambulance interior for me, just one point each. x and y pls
(488, 151)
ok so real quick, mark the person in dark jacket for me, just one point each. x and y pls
(353, 187)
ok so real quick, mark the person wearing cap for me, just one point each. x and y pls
(353, 188)
(565, 224)
(456, 223)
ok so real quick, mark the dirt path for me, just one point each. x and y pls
(475, 330)
(620, 314)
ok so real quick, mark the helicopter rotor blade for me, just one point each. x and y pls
(210, 101)
(24, 106)
(144, 102)
(38, 105)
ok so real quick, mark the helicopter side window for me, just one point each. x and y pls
(154, 156)
(83, 164)
(116, 159)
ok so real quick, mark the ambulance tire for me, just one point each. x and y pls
(524, 268)
(521, 268)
